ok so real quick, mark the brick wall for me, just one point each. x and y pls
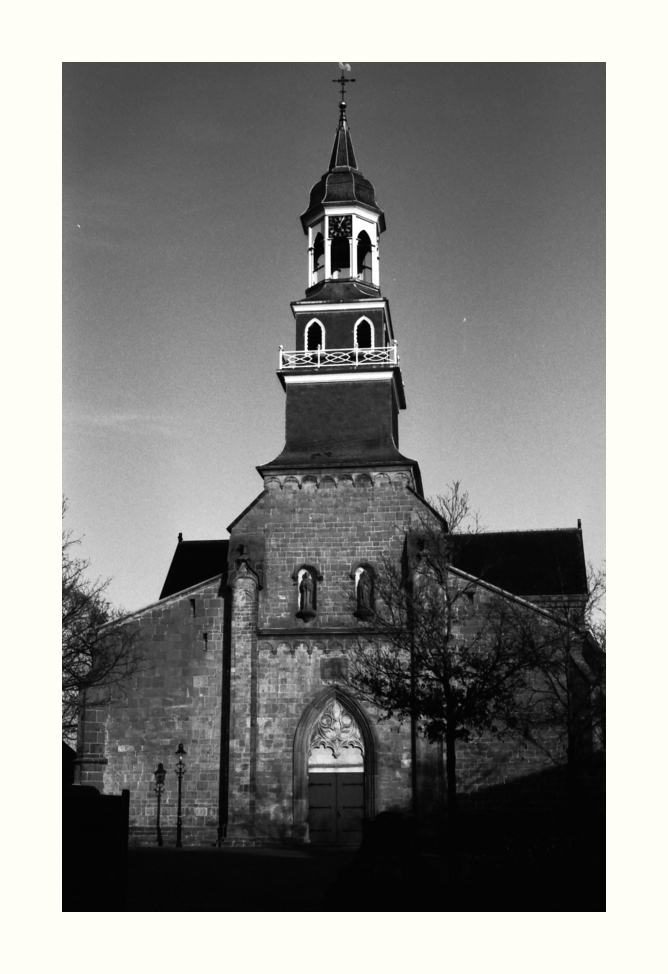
(174, 697)
(331, 528)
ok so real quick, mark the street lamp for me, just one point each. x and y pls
(159, 785)
(180, 771)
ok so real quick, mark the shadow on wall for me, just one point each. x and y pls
(538, 807)
(535, 844)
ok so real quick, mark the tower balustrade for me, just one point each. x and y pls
(336, 357)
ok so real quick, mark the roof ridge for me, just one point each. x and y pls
(477, 534)
(162, 602)
(204, 541)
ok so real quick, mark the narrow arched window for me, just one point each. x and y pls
(364, 270)
(319, 257)
(363, 334)
(314, 336)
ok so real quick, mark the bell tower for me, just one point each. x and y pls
(343, 383)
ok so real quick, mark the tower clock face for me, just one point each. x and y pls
(340, 226)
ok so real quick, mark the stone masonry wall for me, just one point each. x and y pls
(281, 667)
(331, 529)
(174, 697)
(487, 765)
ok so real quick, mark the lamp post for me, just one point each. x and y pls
(159, 785)
(180, 771)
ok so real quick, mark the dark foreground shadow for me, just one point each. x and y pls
(517, 853)
(231, 880)
(530, 870)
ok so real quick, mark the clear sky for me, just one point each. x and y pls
(183, 185)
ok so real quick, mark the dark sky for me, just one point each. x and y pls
(183, 185)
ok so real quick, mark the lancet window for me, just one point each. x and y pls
(314, 336)
(364, 334)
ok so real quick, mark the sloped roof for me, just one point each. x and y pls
(338, 290)
(528, 563)
(343, 153)
(351, 450)
(525, 563)
(194, 562)
(338, 424)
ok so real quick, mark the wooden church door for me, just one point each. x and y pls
(336, 778)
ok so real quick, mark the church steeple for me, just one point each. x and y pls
(343, 380)
(343, 220)
(343, 153)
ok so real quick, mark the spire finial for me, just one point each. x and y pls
(343, 81)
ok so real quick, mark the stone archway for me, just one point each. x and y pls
(309, 733)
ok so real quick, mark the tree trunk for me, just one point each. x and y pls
(452, 831)
(414, 774)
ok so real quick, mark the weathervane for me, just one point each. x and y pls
(343, 81)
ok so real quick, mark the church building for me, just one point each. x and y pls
(245, 654)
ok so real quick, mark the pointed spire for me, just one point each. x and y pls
(343, 153)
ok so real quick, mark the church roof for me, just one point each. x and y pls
(353, 450)
(330, 291)
(340, 424)
(529, 563)
(525, 563)
(343, 182)
(194, 562)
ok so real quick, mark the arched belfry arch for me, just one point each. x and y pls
(301, 751)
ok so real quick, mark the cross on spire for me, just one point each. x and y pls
(343, 81)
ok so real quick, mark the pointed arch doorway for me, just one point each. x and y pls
(336, 778)
(335, 750)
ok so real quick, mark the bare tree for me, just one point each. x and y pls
(454, 508)
(563, 710)
(455, 655)
(99, 649)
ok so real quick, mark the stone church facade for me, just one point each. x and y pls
(245, 654)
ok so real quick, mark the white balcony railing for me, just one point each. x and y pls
(323, 358)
